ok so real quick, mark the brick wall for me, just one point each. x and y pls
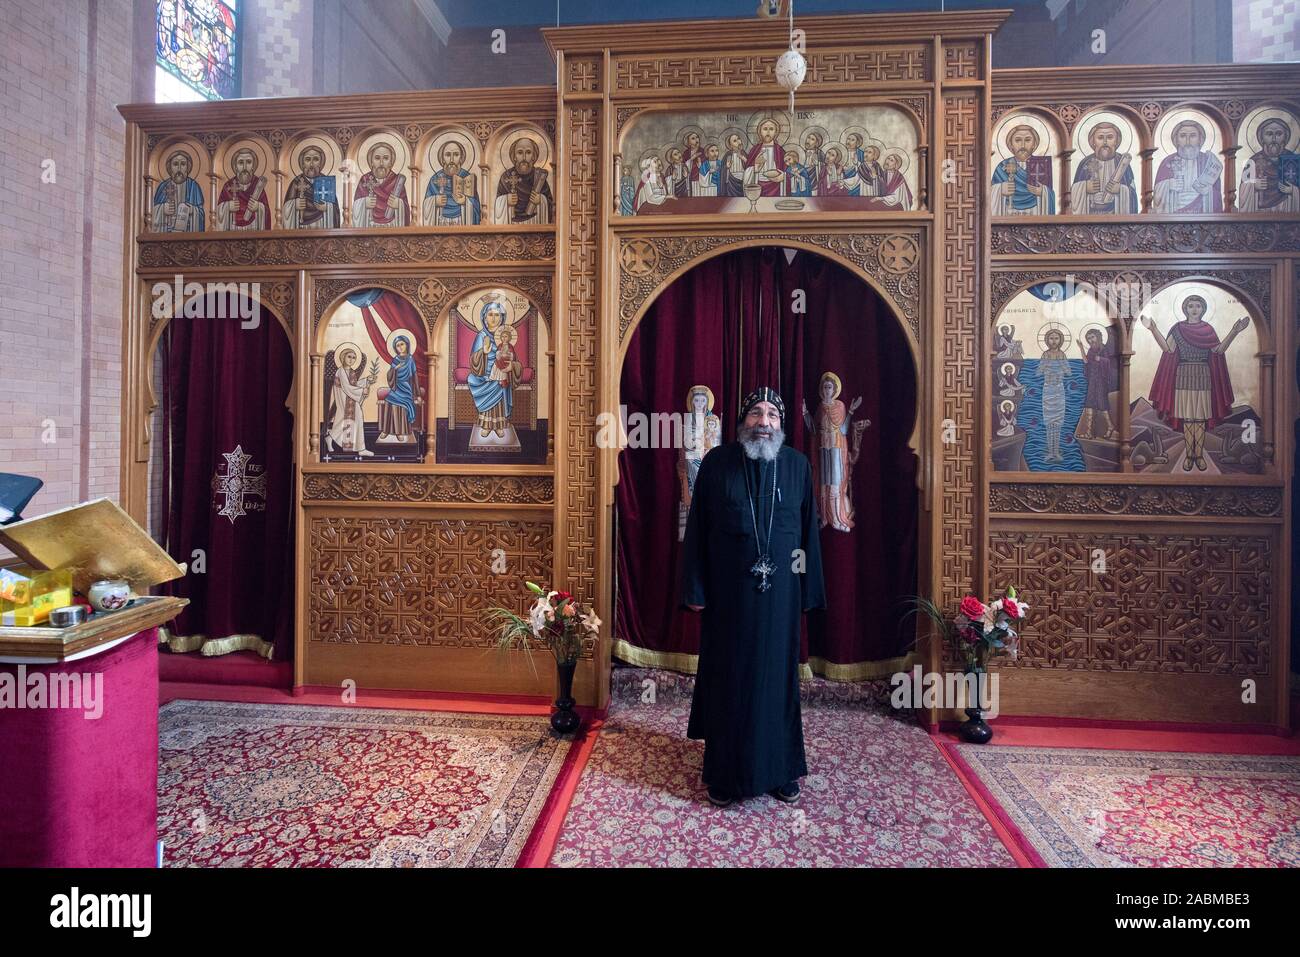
(372, 47)
(64, 68)
(277, 48)
(1265, 30)
(469, 60)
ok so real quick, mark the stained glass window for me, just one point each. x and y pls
(196, 49)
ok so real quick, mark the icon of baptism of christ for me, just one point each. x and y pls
(836, 456)
(701, 433)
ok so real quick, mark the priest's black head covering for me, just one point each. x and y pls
(762, 394)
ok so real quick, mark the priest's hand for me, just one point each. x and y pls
(695, 607)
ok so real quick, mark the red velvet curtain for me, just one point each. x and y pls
(225, 387)
(730, 324)
(397, 313)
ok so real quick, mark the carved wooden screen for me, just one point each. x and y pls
(1158, 563)
(384, 213)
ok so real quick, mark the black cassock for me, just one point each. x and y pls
(746, 704)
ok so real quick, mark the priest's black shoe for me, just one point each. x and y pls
(789, 793)
(719, 799)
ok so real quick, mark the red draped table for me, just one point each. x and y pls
(79, 740)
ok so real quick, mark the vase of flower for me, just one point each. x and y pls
(978, 633)
(564, 719)
(561, 624)
(975, 729)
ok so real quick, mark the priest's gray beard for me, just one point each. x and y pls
(760, 442)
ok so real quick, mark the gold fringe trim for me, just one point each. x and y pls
(830, 670)
(645, 658)
(862, 670)
(211, 647)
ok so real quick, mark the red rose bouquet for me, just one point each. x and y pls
(980, 631)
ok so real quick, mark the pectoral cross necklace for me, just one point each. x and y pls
(762, 567)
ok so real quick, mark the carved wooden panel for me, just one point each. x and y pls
(1101, 239)
(278, 295)
(581, 347)
(1214, 501)
(1256, 282)
(920, 105)
(892, 257)
(583, 74)
(826, 68)
(961, 60)
(413, 581)
(453, 489)
(960, 343)
(222, 250)
(624, 115)
(1181, 603)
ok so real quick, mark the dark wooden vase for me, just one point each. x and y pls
(564, 719)
(975, 729)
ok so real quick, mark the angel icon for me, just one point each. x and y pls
(836, 453)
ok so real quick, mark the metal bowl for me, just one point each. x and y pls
(67, 616)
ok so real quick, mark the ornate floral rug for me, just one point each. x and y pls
(879, 793)
(1073, 807)
(267, 785)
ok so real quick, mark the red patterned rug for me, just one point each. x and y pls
(878, 794)
(1072, 807)
(263, 785)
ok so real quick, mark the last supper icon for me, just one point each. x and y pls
(375, 389)
(495, 407)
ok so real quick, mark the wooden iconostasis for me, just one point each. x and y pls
(1092, 271)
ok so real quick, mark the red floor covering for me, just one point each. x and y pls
(215, 682)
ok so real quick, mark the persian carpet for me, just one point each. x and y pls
(266, 785)
(878, 792)
(1075, 807)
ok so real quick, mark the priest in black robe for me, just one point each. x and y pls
(752, 567)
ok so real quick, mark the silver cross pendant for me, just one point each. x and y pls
(761, 569)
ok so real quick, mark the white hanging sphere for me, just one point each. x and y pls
(791, 68)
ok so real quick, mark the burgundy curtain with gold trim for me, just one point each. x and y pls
(731, 324)
(230, 482)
